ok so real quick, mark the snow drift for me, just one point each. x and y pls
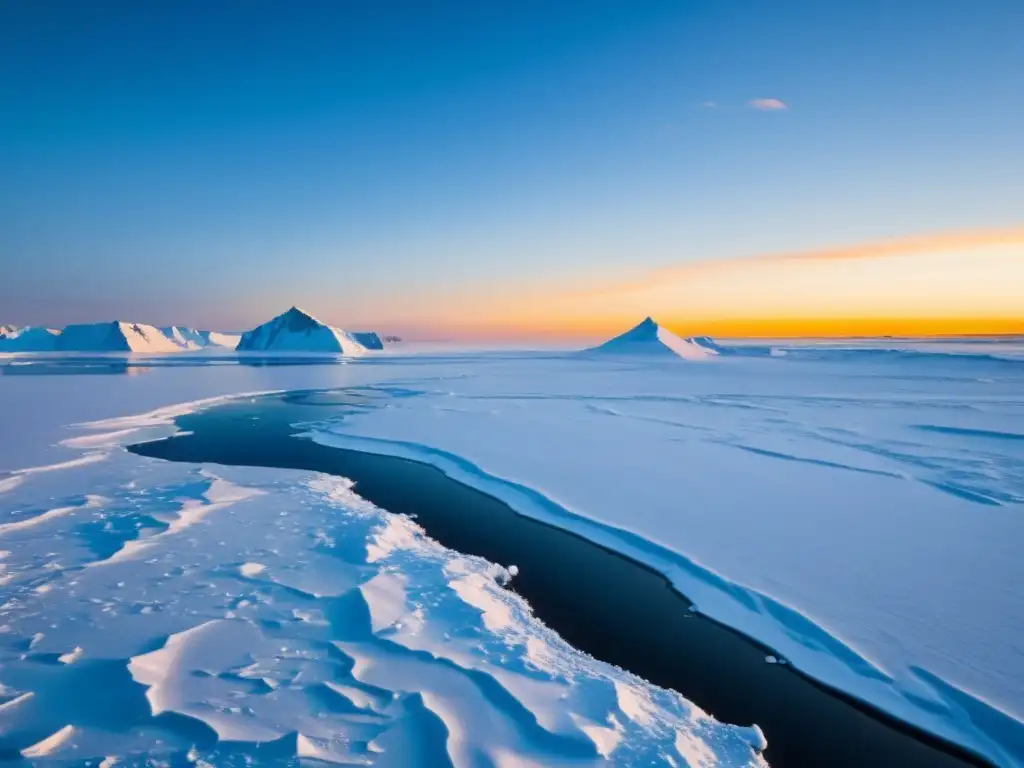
(648, 339)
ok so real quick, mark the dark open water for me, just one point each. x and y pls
(613, 608)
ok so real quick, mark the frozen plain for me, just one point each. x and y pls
(855, 509)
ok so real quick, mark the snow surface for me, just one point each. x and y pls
(648, 339)
(298, 331)
(857, 517)
(353, 639)
(854, 508)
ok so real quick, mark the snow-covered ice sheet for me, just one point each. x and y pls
(220, 616)
(859, 511)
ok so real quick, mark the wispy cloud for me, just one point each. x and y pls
(905, 246)
(768, 105)
(960, 278)
(708, 105)
(965, 279)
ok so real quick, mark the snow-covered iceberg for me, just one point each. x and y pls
(116, 336)
(648, 339)
(368, 339)
(293, 331)
(298, 331)
(27, 339)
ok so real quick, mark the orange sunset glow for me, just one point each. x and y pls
(968, 283)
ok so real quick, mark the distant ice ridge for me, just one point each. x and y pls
(648, 339)
(190, 338)
(293, 331)
(281, 616)
(114, 336)
(298, 331)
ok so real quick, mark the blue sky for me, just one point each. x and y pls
(213, 163)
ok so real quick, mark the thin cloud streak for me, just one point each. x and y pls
(768, 105)
(921, 244)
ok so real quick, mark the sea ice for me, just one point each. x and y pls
(854, 509)
(270, 641)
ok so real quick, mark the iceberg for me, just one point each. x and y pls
(27, 339)
(115, 336)
(368, 339)
(298, 331)
(648, 339)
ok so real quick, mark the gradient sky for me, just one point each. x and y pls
(503, 168)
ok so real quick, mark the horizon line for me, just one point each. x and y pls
(780, 327)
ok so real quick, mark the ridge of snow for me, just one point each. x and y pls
(193, 338)
(217, 339)
(648, 339)
(186, 338)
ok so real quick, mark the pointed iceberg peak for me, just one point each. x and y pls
(648, 325)
(295, 320)
(297, 313)
(648, 339)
